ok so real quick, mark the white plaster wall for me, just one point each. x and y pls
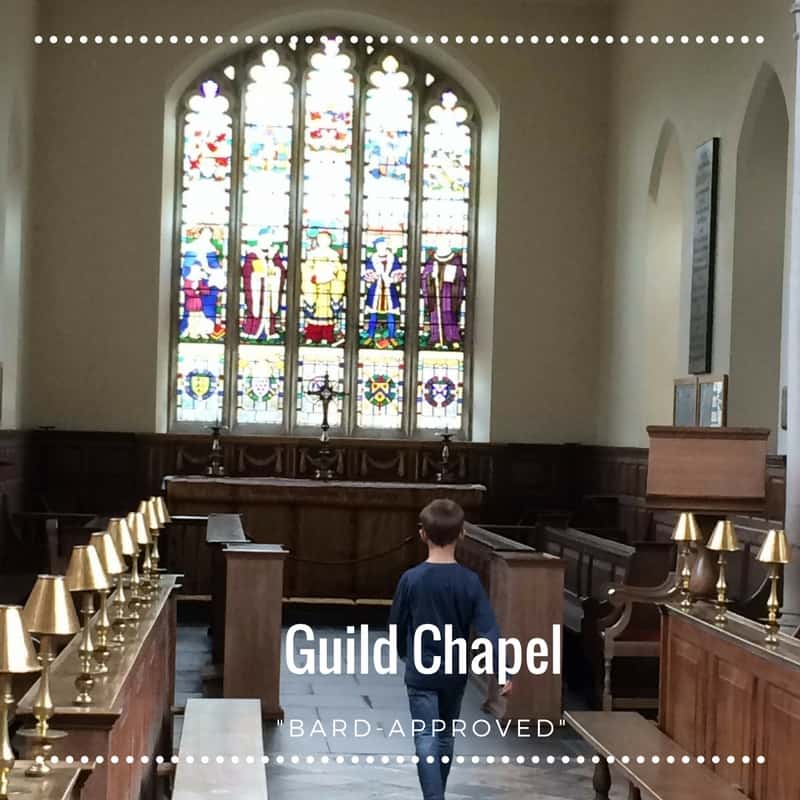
(704, 91)
(16, 87)
(99, 185)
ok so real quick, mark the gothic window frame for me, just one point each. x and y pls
(295, 52)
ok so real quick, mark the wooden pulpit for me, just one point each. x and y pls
(253, 616)
(707, 470)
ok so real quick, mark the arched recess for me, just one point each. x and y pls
(760, 232)
(662, 294)
(484, 97)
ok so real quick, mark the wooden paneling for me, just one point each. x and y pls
(109, 472)
(779, 733)
(723, 693)
(347, 540)
(13, 458)
(130, 715)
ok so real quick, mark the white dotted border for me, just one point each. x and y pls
(595, 39)
(385, 759)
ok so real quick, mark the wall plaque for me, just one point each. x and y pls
(703, 256)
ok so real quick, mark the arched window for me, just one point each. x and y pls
(324, 225)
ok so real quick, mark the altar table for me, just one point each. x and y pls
(347, 539)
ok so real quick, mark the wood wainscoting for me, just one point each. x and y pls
(96, 472)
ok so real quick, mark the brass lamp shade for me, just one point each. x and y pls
(724, 539)
(121, 534)
(16, 648)
(155, 516)
(109, 557)
(775, 549)
(149, 513)
(687, 529)
(139, 529)
(50, 610)
(163, 513)
(85, 571)
(130, 521)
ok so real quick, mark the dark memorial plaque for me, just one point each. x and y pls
(703, 255)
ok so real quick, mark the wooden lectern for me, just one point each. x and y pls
(253, 615)
(707, 470)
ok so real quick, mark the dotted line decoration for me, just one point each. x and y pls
(595, 39)
(385, 759)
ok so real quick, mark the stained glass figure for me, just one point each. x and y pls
(443, 293)
(260, 384)
(440, 390)
(387, 169)
(381, 389)
(313, 364)
(267, 165)
(445, 225)
(323, 291)
(200, 381)
(327, 153)
(203, 283)
(205, 204)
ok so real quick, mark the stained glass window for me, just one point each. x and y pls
(339, 176)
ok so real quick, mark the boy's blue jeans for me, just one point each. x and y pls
(444, 706)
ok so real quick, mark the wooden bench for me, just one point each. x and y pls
(221, 728)
(592, 564)
(626, 736)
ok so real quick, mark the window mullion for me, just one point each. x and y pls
(349, 406)
(294, 261)
(234, 259)
(414, 267)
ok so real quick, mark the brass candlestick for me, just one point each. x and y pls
(113, 567)
(85, 575)
(48, 613)
(137, 589)
(17, 656)
(723, 540)
(775, 551)
(121, 536)
(141, 534)
(686, 533)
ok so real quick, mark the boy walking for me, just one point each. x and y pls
(439, 592)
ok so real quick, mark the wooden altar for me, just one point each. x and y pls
(347, 539)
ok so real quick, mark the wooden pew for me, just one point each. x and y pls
(131, 713)
(592, 564)
(625, 736)
(527, 594)
(221, 728)
(222, 530)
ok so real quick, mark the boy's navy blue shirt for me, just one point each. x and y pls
(439, 595)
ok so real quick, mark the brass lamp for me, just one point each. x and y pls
(48, 614)
(686, 533)
(137, 598)
(85, 575)
(154, 525)
(126, 548)
(163, 511)
(113, 567)
(775, 551)
(723, 540)
(141, 534)
(16, 656)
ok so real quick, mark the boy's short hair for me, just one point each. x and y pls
(442, 521)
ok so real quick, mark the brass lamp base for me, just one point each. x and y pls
(41, 749)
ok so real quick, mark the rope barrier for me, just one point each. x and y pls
(349, 561)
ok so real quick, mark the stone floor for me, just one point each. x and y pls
(342, 716)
